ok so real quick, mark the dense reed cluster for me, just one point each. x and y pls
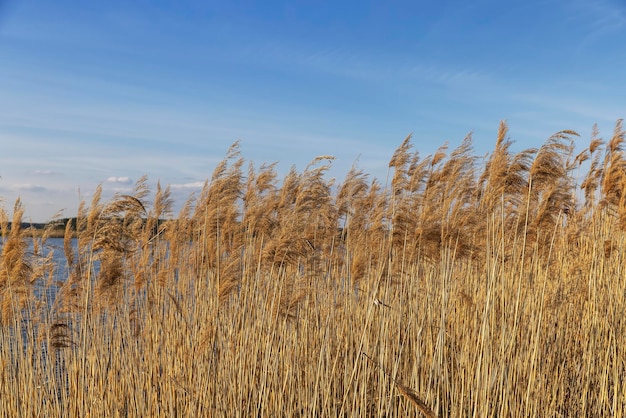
(463, 286)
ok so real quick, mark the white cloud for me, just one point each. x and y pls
(29, 188)
(45, 172)
(192, 185)
(122, 189)
(119, 180)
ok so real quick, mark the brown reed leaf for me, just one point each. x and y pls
(405, 391)
(111, 277)
(180, 310)
(582, 157)
(163, 202)
(608, 248)
(412, 397)
(615, 144)
(401, 154)
(358, 267)
(287, 249)
(419, 173)
(613, 178)
(94, 212)
(60, 335)
(550, 164)
(229, 278)
(596, 142)
(259, 201)
(68, 248)
(353, 187)
(292, 294)
(504, 177)
(16, 286)
(400, 163)
(439, 155)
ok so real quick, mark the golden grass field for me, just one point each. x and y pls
(463, 287)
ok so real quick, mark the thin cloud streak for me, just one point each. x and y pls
(120, 180)
(46, 173)
(28, 188)
(92, 93)
(192, 185)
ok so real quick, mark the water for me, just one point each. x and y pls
(23, 340)
(58, 257)
(60, 271)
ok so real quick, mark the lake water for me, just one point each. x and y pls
(56, 245)
(60, 271)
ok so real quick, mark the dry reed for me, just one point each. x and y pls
(498, 284)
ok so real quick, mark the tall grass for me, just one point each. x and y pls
(464, 286)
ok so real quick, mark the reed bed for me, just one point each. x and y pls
(464, 286)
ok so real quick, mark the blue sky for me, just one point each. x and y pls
(96, 92)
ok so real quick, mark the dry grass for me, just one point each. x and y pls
(463, 287)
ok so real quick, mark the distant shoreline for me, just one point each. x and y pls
(53, 229)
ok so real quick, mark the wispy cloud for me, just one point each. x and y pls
(120, 180)
(605, 15)
(80, 107)
(46, 172)
(29, 188)
(595, 110)
(602, 18)
(191, 185)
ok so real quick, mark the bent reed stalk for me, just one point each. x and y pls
(488, 287)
